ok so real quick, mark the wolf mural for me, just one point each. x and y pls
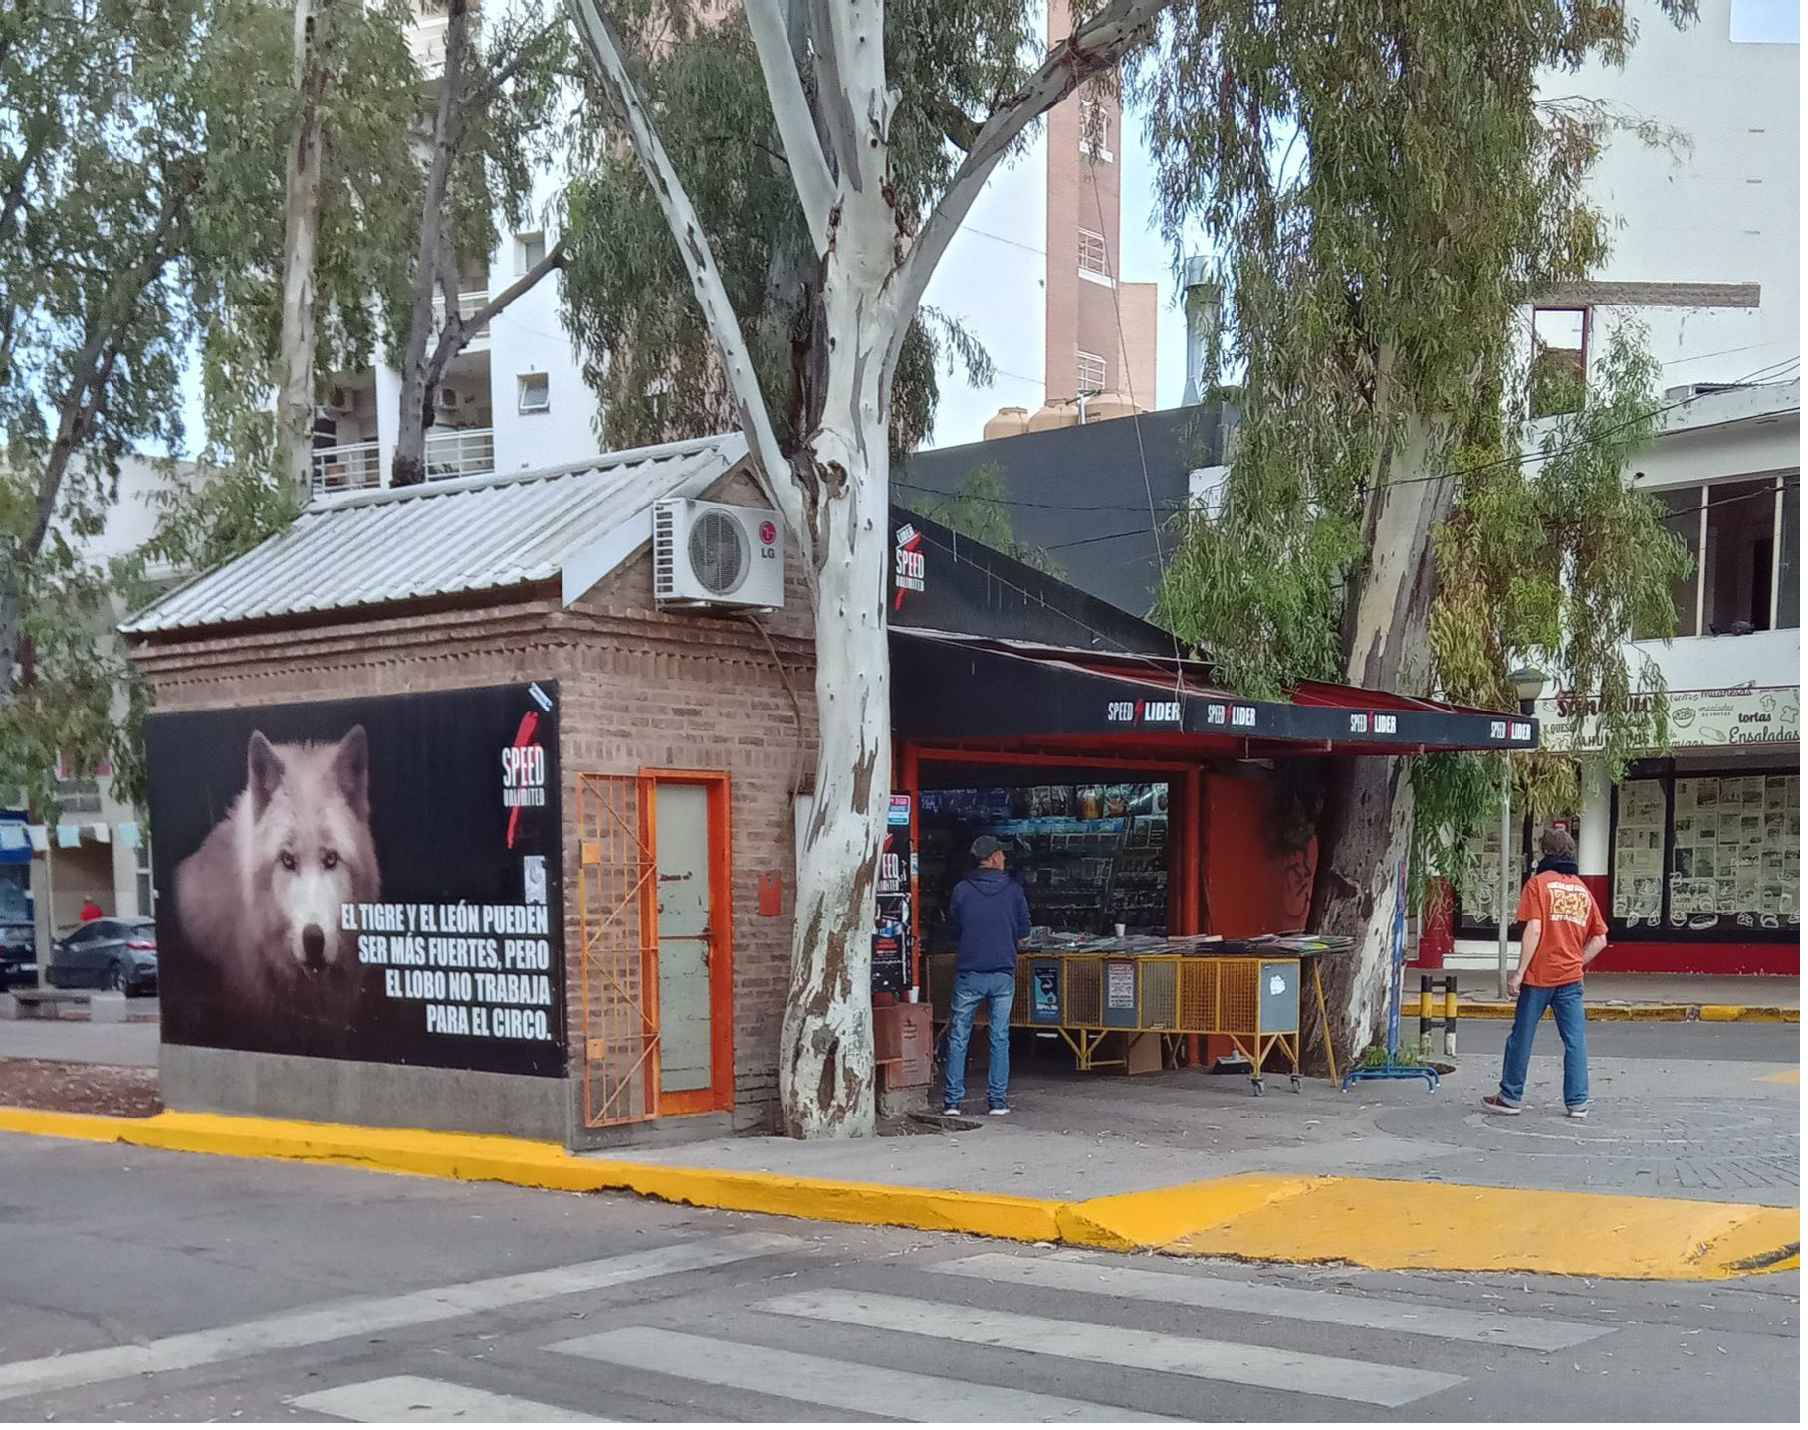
(259, 902)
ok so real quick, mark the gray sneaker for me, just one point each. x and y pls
(1577, 1112)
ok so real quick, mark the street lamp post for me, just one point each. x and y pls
(1528, 685)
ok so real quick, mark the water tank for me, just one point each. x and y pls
(1010, 422)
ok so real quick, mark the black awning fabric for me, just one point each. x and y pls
(955, 690)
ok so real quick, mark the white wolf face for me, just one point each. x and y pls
(308, 847)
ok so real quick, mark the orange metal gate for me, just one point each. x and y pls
(618, 947)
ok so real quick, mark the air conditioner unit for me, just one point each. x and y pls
(340, 401)
(446, 398)
(707, 554)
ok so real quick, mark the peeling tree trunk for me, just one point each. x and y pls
(1366, 823)
(433, 263)
(826, 1045)
(834, 489)
(295, 405)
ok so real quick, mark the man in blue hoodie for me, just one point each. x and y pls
(990, 916)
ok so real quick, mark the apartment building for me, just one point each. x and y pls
(514, 400)
(1695, 855)
(1036, 275)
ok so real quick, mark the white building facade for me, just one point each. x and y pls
(1695, 855)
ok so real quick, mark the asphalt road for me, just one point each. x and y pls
(156, 1286)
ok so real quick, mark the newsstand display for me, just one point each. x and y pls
(1090, 857)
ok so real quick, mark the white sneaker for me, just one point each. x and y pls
(951, 1110)
(998, 1112)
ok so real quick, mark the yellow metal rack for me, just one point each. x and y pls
(1085, 997)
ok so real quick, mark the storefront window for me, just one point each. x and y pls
(1089, 856)
(1478, 892)
(1638, 853)
(1699, 853)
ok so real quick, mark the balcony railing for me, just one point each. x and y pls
(352, 467)
(463, 452)
(470, 303)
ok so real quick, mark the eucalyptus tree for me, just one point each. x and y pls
(1386, 189)
(648, 350)
(842, 107)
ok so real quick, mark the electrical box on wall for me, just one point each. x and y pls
(707, 554)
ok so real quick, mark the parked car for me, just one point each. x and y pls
(18, 955)
(120, 954)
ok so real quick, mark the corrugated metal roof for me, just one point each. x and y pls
(576, 524)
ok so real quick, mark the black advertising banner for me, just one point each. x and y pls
(376, 879)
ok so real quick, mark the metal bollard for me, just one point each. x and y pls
(1425, 982)
(1450, 1016)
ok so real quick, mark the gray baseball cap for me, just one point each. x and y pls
(986, 846)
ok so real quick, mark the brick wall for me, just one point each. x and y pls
(639, 688)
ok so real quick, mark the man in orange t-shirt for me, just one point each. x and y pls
(1564, 933)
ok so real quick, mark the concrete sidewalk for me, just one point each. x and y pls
(69, 1040)
(1664, 1125)
(1687, 1170)
(1632, 997)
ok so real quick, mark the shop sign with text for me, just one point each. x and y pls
(1741, 715)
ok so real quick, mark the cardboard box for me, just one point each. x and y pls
(904, 1044)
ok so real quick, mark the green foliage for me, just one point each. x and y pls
(136, 159)
(1554, 561)
(648, 353)
(1386, 191)
(981, 510)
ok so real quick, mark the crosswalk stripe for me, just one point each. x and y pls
(338, 1320)
(857, 1389)
(416, 1400)
(1066, 1272)
(1273, 1369)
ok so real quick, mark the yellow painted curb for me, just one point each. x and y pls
(1597, 1012)
(1638, 1013)
(1793, 1077)
(472, 1157)
(1739, 1013)
(1137, 1221)
(1429, 1226)
(1381, 1224)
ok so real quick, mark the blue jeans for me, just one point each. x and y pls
(1565, 1004)
(998, 991)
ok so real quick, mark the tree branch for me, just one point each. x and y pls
(91, 370)
(604, 51)
(479, 98)
(791, 108)
(1094, 47)
(960, 128)
(555, 258)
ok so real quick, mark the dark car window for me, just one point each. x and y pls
(82, 934)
